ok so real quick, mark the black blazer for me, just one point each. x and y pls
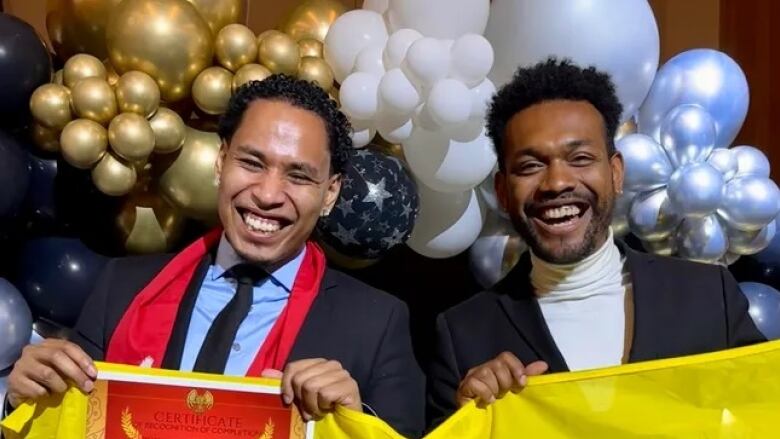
(680, 308)
(365, 329)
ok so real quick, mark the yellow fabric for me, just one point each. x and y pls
(730, 394)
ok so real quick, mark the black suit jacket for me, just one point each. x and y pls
(680, 308)
(365, 329)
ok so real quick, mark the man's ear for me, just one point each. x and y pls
(332, 194)
(618, 171)
(223, 149)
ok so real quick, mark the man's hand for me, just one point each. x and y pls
(494, 379)
(317, 386)
(49, 367)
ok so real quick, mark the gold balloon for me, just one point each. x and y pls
(78, 26)
(113, 176)
(514, 248)
(169, 131)
(249, 72)
(188, 181)
(316, 70)
(310, 47)
(312, 19)
(82, 66)
(83, 142)
(50, 106)
(136, 92)
(166, 39)
(211, 90)
(148, 224)
(236, 46)
(131, 136)
(264, 34)
(219, 13)
(279, 53)
(94, 99)
(111, 75)
(57, 78)
(626, 128)
(46, 139)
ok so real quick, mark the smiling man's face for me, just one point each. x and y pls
(559, 181)
(275, 181)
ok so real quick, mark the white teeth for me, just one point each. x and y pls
(259, 224)
(561, 212)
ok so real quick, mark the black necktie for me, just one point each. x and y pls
(215, 350)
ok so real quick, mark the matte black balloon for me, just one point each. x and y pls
(25, 64)
(14, 175)
(40, 201)
(376, 209)
(56, 275)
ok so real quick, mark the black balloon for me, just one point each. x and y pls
(763, 267)
(40, 201)
(25, 64)
(376, 209)
(56, 275)
(14, 175)
(764, 308)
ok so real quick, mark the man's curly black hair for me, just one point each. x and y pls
(301, 94)
(553, 80)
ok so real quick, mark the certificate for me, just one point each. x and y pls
(141, 403)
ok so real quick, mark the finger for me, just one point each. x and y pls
(81, 358)
(487, 375)
(312, 371)
(536, 368)
(477, 390)
(313, 400)
(504, 378)
(49, 378)
(67, 368)
(514, 365)
(290, 372)
(342, 392)
(23, 389)
(272, 373)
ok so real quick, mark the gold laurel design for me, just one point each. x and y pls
(127, 425)
(268, 431)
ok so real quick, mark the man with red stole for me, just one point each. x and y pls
(254, 297)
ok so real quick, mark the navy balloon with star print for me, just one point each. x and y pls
(376, 209)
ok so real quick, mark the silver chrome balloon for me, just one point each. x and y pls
(620, 214)
(702, 239)
(751, 161)
(701, 76)
(646, 162)
(495, 252)
(749, 203)
(730, 258)
(667, 247)
(748, 243)
(688, 134)
(764, 307)
(651, 217)
(15, 324)
(725, 161)
(695, 190)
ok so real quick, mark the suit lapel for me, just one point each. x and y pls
(647, 320)
(317, 325)
(518, 302)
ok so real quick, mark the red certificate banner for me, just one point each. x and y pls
(137, 403)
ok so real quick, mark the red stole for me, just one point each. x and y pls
(145, 329)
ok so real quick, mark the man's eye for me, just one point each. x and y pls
(528, 168)
(582, 159)
(251, 163)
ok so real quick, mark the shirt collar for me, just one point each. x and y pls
(283, 276)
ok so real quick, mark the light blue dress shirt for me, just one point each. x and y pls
(269, 299)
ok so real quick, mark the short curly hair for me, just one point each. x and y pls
(301, 94)
(553, 80)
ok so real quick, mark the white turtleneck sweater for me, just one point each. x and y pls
(584, 305)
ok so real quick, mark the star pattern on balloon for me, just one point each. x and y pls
(377, 207)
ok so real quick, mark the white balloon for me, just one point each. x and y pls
(447, 223)
(439, 18)
(619, 37)
(426, 62)
(397, 45)
(394, 130)
(449, 102)
(422, 118)
(481, 96)
(379, 6)
(358, 96)
(471, 59)
(447, 165)
(348, 35)
(362, 137)
(397, 93)
(487, 192)
(464, 132)
(369, 60)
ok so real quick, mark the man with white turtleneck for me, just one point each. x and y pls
(578, 299)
